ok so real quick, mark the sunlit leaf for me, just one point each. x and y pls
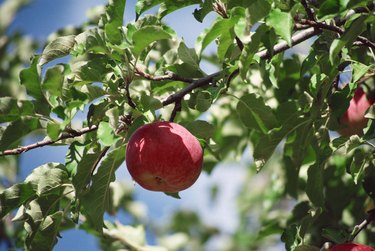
(115, 12)
(59, 47)
(147, 35)
(44, 179)
(282, 22)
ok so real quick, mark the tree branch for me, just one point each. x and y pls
(65, 135)
(358, 228)
(169, 76)
(334, 28)
(309, 11)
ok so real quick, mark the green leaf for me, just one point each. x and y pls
(219, 27)
(255, 114)
(147, 35)
(306, 248)
(201, 129)
(93, 70)
(54, 80)
(30, 78)
(188, 55)
(336, 235)
(14, 196)
(330, 8)
(205, 9)
(59, 47)
(46, 236)
(53, 130)
(314, 186)
(282, 22)
(247, 54)
(258, 10)
(174, 195)
(289, 118)
(12, 109)
(150, 103)
(358, 166)
(144, 5)
(369, 181)
(203, 101)
(359, 70)
(97, 198)
(16, 130)
(84, 168)
(347, 38)
(42, 220)
(291, 237)
(115, 12)
(169, 6)
(106, 134)
(91, 40)
(46, 178)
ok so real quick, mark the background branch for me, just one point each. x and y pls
(64, 135)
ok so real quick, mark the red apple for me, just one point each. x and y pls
(164, 156)
(351, 247)
(353, 119)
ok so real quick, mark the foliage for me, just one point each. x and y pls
(281, 104)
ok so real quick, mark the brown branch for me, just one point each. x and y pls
(283, 46)
(334, 28)
(194, 85)
(65, 135)
(176, 109)
(310, 13)
(168, 76)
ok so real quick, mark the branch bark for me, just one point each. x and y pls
(65, 135)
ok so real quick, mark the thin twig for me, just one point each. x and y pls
(309, 11)
(130, 100)
(176, 109)
(334, 28)
(168, 76)
(358, 228)
(194, 85)
(42, 143)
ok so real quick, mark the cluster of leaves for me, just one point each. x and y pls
(261, 98)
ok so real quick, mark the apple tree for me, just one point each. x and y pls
(287, 72)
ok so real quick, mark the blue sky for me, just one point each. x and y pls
(42, 18)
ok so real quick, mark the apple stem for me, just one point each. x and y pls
(363, 225)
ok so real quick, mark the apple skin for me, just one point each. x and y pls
(351, 247)
(164, 156)
(353, 120)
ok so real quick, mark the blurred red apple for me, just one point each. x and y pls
(164, 156)
(351, 247)
(353, 120)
